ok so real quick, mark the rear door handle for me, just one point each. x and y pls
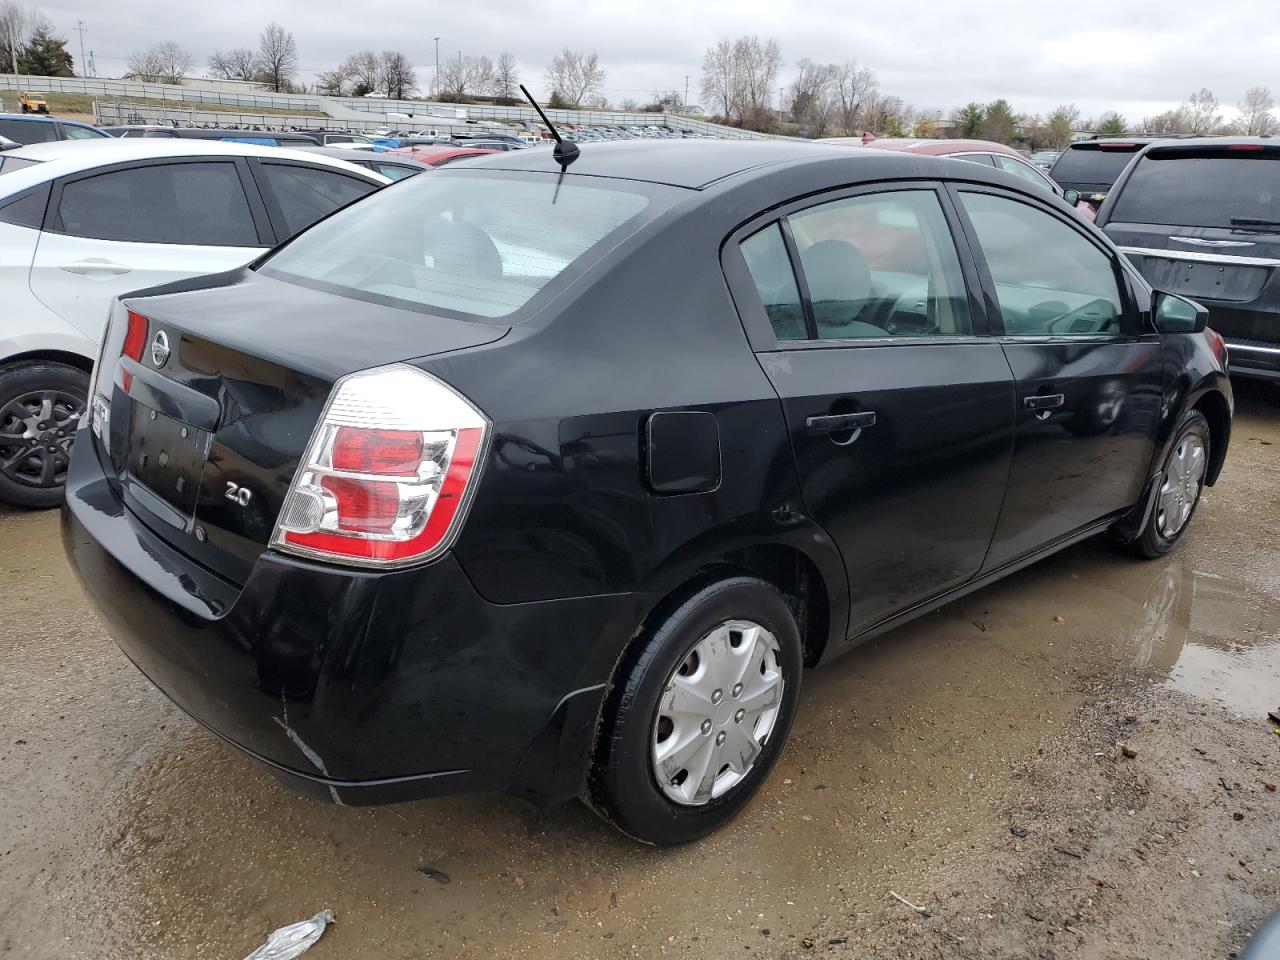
(94, 267)
(839, 422)
(1044, 401)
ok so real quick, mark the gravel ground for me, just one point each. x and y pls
(974, 763)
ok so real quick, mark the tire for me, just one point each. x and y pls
(37, 479)
(624, 782)
(1170, 516)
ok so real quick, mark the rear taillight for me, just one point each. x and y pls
(118, 340)
(388, 473)
(1217, 345)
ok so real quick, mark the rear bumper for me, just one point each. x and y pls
(1254, 358)
(358, 686)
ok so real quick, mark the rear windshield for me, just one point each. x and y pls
(29, 131)
(1092, 164)
(480, 246)
(1209, 191)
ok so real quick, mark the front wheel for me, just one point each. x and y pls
(1181, 485)
(698, 717)
(40, 408)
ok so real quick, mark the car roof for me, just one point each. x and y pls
(363, 156)
(61, 157)
(694, 164)
(431, 155)
(943, 147)
(37, 118)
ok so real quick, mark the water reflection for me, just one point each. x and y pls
(1212, 638)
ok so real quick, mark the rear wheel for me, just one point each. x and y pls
(40, 407)
(699, 716)
(1180, 488)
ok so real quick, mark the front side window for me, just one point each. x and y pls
(882, 265)
(306, 194)
(481, 246)
(766, 256)
(187, 203)
(1050, 280)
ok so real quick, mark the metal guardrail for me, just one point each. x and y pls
(420, 110)
(114, 113)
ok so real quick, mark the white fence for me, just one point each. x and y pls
(421, 111)
(110, 113)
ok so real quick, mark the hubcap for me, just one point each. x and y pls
(36, 432)
(1183, 479)
(716, 712)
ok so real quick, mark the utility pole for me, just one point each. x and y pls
(80, 30)
(437, 66)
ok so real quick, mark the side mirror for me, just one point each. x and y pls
(1176, 314)
(1071, 196)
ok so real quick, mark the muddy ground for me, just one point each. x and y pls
(972, 762)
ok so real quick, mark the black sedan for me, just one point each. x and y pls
(553, 482)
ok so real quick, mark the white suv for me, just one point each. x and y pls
(83, 222)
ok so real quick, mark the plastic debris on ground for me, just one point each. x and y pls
(293, 940)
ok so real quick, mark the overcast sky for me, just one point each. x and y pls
(1138, 58)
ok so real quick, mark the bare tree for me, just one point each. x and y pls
(813, 104)
(577, 77)
(16, 25)
(482, 77)
(1257, 118)
(164, 63)
(334, 83)
(1062, 124)
(739, 77)
(506, 80)
(364, 69)
(238, 64)
(1202, 114)
(854, 87)
(398, 81)
(277, 57)
(458, 77)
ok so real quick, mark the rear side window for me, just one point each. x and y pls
(766, 256)
(72, 132)
(1099, 166)
(882, 265)
(26, 210)
(186, 203)
(474, 245)
(10, 164)
(1240, 190)
(28, 131)
(1023, 170)
(1049, 279)
(395, 171)
(306, 194)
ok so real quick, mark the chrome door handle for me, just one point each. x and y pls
(1044, 401)
(839, 422)
(92, 266)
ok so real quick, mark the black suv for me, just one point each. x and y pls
(1202, 218)
(554, 482)
(1090, 167)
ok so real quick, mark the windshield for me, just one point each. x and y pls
(1092, 164)
(476, 245)
(1206, 191)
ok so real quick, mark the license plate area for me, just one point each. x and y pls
(165, 458)
(1212, 281)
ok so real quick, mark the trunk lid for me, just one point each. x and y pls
(204, 441)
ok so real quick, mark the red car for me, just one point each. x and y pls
(985, 152)
(436, 156)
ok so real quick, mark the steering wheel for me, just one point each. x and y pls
(1100, 312)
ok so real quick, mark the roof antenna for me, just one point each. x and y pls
(565, 151)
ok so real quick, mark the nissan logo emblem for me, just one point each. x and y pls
(160, 349)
